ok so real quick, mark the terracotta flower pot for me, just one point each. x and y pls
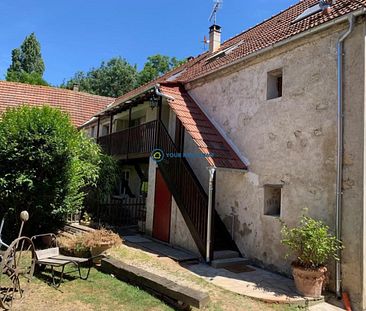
(98, 250)
(309, 282)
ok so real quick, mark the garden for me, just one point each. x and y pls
(49, 170)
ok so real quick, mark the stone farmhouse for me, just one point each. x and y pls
(253, 131)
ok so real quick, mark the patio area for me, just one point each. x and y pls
(248, 281)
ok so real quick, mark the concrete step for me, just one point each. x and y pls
(225, 254)
(222, 263)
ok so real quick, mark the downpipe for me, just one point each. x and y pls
(212, 171)
(339, 181)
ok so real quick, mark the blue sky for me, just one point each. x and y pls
(79, 34)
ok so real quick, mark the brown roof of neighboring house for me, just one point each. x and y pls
(199, 127)
(80, 106)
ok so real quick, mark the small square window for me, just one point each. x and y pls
(272, 200)
(274, 84)
(105, 130)
(92, 131)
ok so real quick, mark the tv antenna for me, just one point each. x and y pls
(205, 42)
(216, 8)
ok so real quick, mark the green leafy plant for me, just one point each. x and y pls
(107, 181)
(46, 167)
(311, 242)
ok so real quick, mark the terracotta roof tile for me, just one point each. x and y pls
(80, 106)
(200, 128)
(265, 34)
(261, 36)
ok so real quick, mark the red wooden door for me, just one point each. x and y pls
(162, 209)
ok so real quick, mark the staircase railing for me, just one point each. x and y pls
(188, 193)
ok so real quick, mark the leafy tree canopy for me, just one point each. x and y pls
(27, 65)
(117, 77)
(112, 78)
(46, 166)
(156, 66)
(24, 77)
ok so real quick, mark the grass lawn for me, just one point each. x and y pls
(102, 292)
(221, 299)
(99, 292)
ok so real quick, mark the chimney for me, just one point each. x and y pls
(215, 38)
(75, 87)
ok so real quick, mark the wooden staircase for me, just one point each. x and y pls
(192, 201)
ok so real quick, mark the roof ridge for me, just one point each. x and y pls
(55, 88)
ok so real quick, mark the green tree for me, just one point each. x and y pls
(113, 78)
(117, 77)
(156, 66)
(27, 65)
(46, 166)
(24, 77)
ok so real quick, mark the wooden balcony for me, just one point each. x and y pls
(134, 142)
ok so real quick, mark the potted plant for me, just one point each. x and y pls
(313, 245)
(100, 241)
(73, 245)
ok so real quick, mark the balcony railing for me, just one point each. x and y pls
(132, 142)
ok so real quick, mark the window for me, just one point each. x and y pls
(272, 200)
(308, 12)
(274, 84)
(138, 121)
(105, 130)
(92, 131)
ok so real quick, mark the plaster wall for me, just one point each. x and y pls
(179, 232)
(291, 141)
(194, 158)
(353, 261)
(150, 197)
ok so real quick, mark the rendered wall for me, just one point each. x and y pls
(291, 141)
(179, 232)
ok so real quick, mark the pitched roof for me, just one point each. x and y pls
(80, 106)
(273, 30)
(199, 127)
(266, 34)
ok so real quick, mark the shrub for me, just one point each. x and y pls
(46, 166)
(311, 242)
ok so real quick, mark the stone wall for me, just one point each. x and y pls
(291, 142)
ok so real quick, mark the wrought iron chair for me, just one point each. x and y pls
(48, 255)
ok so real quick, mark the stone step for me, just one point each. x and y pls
(225, 254)
(222, 263)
